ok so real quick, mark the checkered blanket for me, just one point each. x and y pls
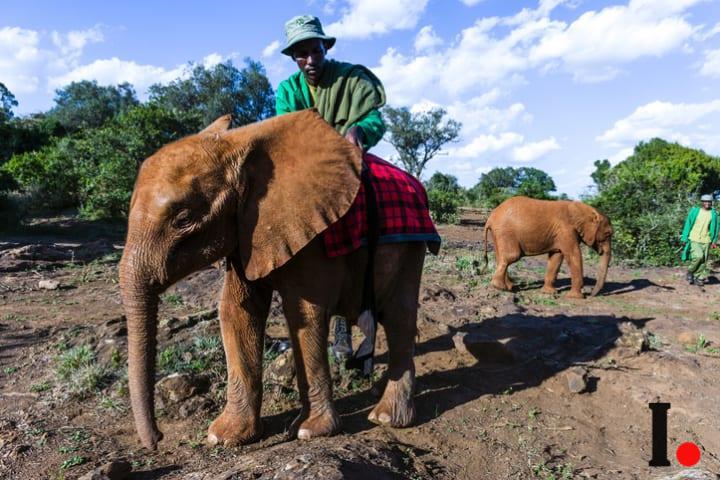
(402, 211)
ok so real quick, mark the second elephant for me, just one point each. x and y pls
(523, 226)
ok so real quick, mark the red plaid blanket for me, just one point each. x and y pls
(402, 211)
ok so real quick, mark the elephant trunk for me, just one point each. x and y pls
(140, 300)
(603, 269)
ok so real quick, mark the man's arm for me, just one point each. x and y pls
(372, 127)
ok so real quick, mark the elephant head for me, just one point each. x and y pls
(261, 192)
(596, 232)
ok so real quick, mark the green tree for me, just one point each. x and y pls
(501, 183)
(86, 104)
(445, 195)
(7, 102)
(209, 93)
(648, 195)
(419, 137)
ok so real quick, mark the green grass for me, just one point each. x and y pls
(73, 461)
(173, 299)
(544, 471)
(40, 387)
(78, 370)
(203, 355)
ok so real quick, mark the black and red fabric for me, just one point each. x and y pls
(402, 210)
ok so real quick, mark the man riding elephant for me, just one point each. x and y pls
(347, 96)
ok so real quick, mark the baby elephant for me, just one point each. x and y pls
(523, 226)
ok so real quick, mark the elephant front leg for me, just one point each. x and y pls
(574, 259)
(553, 267)
(308, 326)
(244, 308)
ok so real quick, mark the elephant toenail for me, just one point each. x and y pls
(212, 439)
(384, 418)
(372, 417)
(304, 434)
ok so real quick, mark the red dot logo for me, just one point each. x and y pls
(688, 454)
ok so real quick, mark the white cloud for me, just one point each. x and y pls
(71, 44)
(470, 3)
(365, 18)
(532, 151)
(427, 39)
(20, 58)
(113, 71)
(270, 50)
(620, 155)
(482, 144)
(659, 119)
(711, 65)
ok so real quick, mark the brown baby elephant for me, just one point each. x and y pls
(523, 226)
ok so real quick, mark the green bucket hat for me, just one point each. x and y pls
(302, 28)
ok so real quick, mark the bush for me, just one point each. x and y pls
(648, 195)
(444, 205)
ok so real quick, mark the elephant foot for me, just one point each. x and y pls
(325, 423)
(574, 294)
(500, 285)
(396, 408)
(550, 290)
(233, 429)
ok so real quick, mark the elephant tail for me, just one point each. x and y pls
(484, 265)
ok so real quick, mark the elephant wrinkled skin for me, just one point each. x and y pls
(523, 226)
(259, 196)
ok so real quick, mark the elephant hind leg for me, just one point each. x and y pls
(396, 408)
(553, 267)
(504, 257)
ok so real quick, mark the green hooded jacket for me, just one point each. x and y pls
(690, 221)
(347, 95)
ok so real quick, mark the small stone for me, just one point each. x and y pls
(115, 470)
(691, 474)
(193, 405)
(633, 341)
(577, 379)
(482, 347)
(181, 386)
(281, 371)
(48, 284)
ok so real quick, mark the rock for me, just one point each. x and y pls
(437, 293)
(194, 405)
(48, 284)
(482, 347)
(115, 327)
(690, 474)
(688, 338)
(181, 386)
(577, 379)
(115, 470)
(632, 342)
(281, 371)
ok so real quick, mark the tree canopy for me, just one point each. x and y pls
(7, 102)
(86, 104)
(209, 93)
(648, 195)
(419, 137)
(501, 183)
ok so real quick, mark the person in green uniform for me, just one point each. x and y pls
(346, 95)
(699, 234)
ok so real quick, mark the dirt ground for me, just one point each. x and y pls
(502, 407)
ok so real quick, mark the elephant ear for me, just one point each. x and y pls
(587, 222)
(219, 125)
(298, 176)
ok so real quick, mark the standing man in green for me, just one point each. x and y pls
(699, 234)
(347, 96)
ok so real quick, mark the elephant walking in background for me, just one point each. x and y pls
(523, 226)
(259, 196)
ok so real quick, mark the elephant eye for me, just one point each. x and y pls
(183, 219)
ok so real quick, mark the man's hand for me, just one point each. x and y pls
(355, 136)
(714, 245)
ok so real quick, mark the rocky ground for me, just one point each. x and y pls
(514, 385)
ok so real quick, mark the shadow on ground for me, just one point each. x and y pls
(541, 346)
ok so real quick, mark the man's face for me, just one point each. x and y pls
(707, 204)
(310, 58)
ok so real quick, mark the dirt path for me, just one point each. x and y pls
(501, 407)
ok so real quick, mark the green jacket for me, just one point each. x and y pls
(690, 221)
(347, 95)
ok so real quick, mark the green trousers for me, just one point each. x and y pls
(698, 259)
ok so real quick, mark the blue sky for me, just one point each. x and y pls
(552, 84)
